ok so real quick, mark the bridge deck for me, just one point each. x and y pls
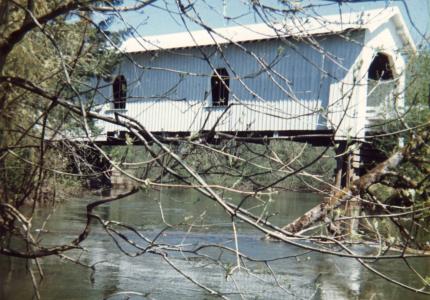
(315, 138)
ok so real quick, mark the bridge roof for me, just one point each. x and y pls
(294, 27)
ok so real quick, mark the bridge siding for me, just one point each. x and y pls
(167, 101)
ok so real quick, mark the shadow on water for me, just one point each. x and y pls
(303, 276)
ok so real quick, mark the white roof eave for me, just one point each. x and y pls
(299, 28)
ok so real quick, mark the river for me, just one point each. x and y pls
(303, 276)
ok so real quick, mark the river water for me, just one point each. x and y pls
(303, 276)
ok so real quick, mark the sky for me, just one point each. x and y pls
(162, 17)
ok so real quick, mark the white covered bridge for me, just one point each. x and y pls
(327, 75)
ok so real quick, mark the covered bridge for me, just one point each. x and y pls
(329, 76)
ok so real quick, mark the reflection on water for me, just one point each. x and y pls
(307, 275)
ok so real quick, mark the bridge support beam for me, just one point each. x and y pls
(370, 156)
(355, 160)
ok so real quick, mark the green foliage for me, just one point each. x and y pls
(418, 80)
(407, 189)
(60, 59)
(234, 164)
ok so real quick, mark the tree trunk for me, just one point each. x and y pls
(318, 213)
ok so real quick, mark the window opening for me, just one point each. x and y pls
(381, 87)
(220, 83)
(119, 92)
(380, 68)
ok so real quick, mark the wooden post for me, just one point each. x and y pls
(347, 165)
(340, 164)
(344, 166)
(344, 176)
